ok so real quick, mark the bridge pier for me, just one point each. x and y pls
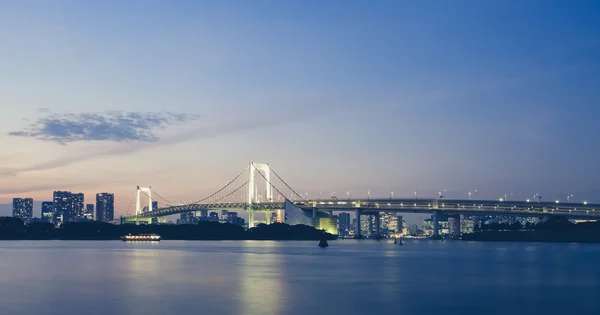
(358, 222)
(268, 217)
(250, 218)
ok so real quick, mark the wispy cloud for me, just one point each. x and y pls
(115, 126)
(223, 129)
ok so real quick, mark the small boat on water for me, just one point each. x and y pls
(323, 243)
(141, 238)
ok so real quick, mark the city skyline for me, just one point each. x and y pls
(434, 97)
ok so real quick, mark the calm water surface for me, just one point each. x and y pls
(249, 277)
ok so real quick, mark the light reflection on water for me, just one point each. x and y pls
(248, 277)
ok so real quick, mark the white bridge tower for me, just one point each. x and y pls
(253, 192)
(148, 191)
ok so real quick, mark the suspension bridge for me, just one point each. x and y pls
(258, 188)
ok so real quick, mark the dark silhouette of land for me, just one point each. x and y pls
(14, 229)
(555, 229)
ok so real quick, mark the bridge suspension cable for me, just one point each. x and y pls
(286, 185)
(130, 203)
(222, 188)
(232, 192)
(165, 200)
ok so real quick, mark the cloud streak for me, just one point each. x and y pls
(114, 126)
(224, 129)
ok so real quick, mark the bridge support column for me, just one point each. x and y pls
(268, 217)
(436, 230)
(358, 222)
(314, 212)
(250, 218)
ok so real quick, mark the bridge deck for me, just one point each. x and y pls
(467, 207)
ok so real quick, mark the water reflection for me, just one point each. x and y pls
(262, 280)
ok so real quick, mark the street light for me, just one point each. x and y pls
(348, 193)
(391, 194)
(416, 193)
(469, 195)
(369, 194)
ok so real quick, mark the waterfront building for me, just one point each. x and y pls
(63, 207)
(78, 206)
(105, 207)
(88, 214)
(343, 220)
(23, 209)
(186, 217)
(48, 212)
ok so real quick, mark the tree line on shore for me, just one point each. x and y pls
(14, 229)
(554, 229)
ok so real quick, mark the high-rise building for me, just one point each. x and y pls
(367, 224)
(186, 217)
(399, 225)
(88, 215)
(48, 211)
(63, 207)
(78, 206)
(202, 215)
(344, 223)
(232, 217)
(105, 207)
(23, 209)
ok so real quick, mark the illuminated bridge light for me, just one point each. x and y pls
(557, 201)
(585, 203)
(401, 205)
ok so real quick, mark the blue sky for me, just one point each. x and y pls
(499, 96)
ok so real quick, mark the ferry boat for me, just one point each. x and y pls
(141, 238)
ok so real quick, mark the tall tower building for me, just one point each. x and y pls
(63, 207)
(78, 206)
(88, 215)
(105, 207)
(343, 223)
(23, 209)
(399, 225)
(48, 212)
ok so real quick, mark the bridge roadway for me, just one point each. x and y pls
(445, 206)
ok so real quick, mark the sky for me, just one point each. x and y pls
(454, 96)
